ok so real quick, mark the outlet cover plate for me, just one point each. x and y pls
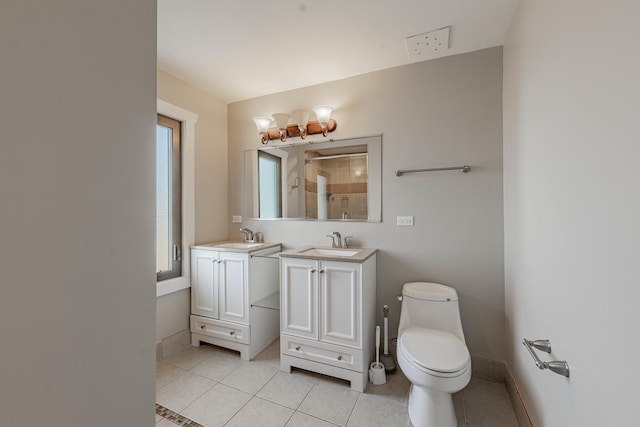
(404, 221)
(236, 219)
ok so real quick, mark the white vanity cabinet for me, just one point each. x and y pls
(327, 316)
(225, 284)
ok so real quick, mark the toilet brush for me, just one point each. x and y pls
(386, 359)
(376, 370)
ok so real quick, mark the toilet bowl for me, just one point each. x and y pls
(432, 352)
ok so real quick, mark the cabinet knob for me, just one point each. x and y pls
(313, 270)
(340, 357)
(322, 270)
(203, 326)
(232, 333)
(297, 348)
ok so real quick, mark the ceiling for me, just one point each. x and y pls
(243, 49)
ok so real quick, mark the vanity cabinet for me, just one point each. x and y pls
(220, 285)
(327, 317)
(224, 286)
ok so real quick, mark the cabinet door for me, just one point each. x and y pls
(204, 284)
(340, 292)
(298, 293)
(234, 302)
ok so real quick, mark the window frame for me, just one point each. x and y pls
(189, 121)
(174, 246)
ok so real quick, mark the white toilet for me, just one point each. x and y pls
(432, 352)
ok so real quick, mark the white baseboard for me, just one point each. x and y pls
(172, 345)
(516, 401)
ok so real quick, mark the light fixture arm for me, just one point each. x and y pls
(312, 128)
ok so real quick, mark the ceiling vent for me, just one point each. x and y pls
(425, 45)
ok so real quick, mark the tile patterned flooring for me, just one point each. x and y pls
(213, 387)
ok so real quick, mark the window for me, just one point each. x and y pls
(270, 193)
(168, 199)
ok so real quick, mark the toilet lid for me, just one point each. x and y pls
(434, 350)
(429, 291)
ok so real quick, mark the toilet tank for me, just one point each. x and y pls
(430, 305)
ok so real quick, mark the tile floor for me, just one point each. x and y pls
(213, 387)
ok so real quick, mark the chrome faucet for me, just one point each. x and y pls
(336, 239)
(248, 235)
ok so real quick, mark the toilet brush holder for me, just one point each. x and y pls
(376, 373)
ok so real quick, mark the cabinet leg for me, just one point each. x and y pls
(244, 354)
(195, 341)
(285, 367)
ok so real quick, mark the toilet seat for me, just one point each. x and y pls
(434, 352)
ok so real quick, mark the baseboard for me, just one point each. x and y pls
(172, 345)
(516, 401)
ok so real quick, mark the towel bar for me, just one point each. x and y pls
(560, 367)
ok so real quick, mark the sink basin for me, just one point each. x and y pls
(330, 252)
(239, 245)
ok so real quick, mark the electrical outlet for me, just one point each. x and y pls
(404, 221)
(236, 219)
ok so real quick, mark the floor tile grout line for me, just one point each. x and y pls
(321, 419)
(258, 391)
(198, 397)
(464, 408)
(305, 396)
(354, 408)
(238, 411)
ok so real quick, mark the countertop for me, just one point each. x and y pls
(362, 255)
(215, 246)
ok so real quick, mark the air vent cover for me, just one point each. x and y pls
(428, 45)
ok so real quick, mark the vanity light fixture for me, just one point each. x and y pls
(323, 113)
(263, 123)
(302, 126)
(282, 119)
(301, 118)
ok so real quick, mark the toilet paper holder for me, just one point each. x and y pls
(560, 367)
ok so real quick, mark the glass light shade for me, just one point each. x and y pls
(262, 123)
(323, 113)
(301, 118)
(282, 119)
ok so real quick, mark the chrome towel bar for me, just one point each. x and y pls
(465, 169)
(560, 367)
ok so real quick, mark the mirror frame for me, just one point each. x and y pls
(374, 177)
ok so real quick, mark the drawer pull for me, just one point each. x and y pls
(340, 357)
(313, 270)
(203, 326)
(232, 333)
(297, 348)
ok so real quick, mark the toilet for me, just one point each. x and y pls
(432, 352)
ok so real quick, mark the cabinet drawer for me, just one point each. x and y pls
(329, 354)
(220, 329)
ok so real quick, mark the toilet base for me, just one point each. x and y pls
(429, 408)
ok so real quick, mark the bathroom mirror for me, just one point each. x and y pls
(337, 180)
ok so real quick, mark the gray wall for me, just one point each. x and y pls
(438, 113)
(77, 292)
(571, 146)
